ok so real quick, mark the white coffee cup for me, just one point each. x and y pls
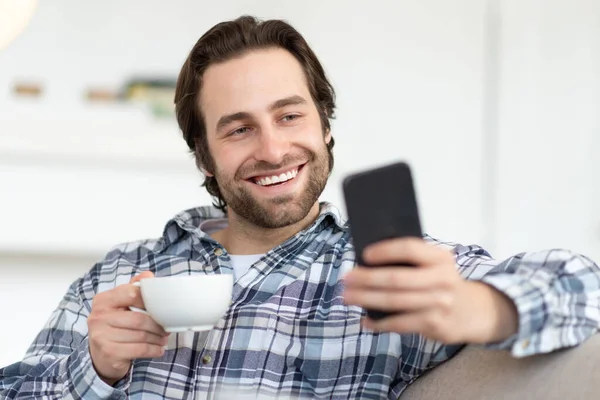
(186, 302)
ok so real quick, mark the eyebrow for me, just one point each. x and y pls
(276, 105)
(288, 101)
(227, 119)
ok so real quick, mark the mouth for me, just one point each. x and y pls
(277, 179)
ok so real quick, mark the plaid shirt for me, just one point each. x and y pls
(288, 333)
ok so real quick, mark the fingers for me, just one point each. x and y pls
(430, 324)
(406, 251)
(122, 296)
(137, 336)
(399, 301)
(143, 275)
(134, 321)
(117, 335)
(406, 278)
(400, 323)
(138, 301)
(124, 352)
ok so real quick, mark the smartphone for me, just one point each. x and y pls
(381, 204)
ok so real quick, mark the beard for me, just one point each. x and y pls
(281, 211)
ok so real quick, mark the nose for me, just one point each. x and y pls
(273, 146)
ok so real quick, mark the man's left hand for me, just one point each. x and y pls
(430, 298)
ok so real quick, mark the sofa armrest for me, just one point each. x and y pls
(475, 374)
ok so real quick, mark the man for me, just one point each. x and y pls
(254, 106)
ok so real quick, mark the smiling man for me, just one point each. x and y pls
(254, 106)
(264, 129)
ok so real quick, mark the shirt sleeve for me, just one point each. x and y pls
(556, 294)
(58, 363)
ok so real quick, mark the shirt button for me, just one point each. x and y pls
(218, 252)
(206, 359)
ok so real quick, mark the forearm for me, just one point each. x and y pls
(532, 303)
(556, 295)
(493, 316)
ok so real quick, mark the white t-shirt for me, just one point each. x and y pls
(240, 263)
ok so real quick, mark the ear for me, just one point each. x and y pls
(203, 169)
(327, 136)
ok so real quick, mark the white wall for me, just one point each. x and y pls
(397, 96)
(456, 88)
(548, 186)
(77, 179)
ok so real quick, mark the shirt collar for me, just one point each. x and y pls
(189, 221)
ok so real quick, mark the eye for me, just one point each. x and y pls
(240, 131)
(290, 118)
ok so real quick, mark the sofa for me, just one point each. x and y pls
(478, 374)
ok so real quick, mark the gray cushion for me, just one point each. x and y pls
(475, 374)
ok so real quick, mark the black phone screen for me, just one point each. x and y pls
(381, 204)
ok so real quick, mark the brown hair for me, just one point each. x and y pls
(223, 42)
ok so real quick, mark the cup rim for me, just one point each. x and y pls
(188, 276)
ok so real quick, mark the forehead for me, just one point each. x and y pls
(250, 83)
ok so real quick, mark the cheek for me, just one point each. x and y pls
(228, 160)
(313, 138)
(318, 142)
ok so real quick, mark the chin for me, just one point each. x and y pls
(287, 214)
(282, 214)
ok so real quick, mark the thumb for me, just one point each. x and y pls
(143, 275)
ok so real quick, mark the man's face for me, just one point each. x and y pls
(265, 137)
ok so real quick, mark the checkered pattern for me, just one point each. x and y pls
(288, 333)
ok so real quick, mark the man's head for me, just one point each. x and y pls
(253, 102)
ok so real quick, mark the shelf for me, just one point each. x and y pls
(127, 135)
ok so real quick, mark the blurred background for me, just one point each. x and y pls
(494, 103)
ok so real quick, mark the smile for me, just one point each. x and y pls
(270, 180)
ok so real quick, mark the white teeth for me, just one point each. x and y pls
(270, 180)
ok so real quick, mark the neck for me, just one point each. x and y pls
(241, 237)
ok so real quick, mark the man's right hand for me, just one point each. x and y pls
(117, 335)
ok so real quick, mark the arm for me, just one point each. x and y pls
(459, 294)
(58, 363)
(556, 294)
